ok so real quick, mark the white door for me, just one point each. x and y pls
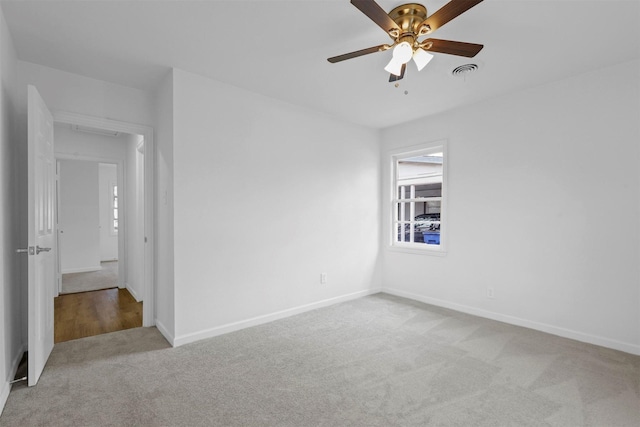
(41, 186)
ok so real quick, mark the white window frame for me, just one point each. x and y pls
(407, 152)
(112, 208)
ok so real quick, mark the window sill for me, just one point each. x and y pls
(419, 250)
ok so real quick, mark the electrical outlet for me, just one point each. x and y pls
(490, 293)
(323, 278)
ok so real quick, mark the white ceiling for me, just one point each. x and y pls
(279, 48)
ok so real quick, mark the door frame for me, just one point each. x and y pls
(148, 293)
(122, 234)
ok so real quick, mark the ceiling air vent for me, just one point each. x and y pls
(95, 131)
(464, 70)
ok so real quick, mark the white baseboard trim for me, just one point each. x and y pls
(165, 333)
(543, 327)
(6, 386)
(81, 270)
(132, 292)
(259, 320)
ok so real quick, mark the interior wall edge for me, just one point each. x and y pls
(6, 387)
(4, 394)
(132, 292)
(266, 318)
(518, 321)
(12, 327)
(165, 332)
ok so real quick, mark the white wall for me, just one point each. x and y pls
(107, 178)
(254, 244)
(78, 94)
(79, 216)
(544, 208)
(10, 315)
(72, 143)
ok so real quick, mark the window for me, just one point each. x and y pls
(418, 198)
(114, 209)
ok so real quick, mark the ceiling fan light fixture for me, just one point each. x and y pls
(402, 53)
(394, 67)
(421, 57)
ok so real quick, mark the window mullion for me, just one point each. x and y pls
(402, 212)
(412, 213)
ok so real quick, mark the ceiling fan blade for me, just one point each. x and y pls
(452, 48)
(447, 12)
(357, 53)
(394, 78)
(376, 14)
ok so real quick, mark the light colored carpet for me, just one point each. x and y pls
(375, 361)
(93, 280)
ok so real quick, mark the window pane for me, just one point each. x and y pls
(404, 211)
(428, 217)
(115, 224)
(404, 192)
(402, 232)
(417, 236)
(431, 238)
(420, 166)
(429, 190)
(115, 214)
(428, 224)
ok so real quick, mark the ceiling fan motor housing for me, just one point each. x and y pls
(409, 18)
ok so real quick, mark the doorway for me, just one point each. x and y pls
(130, 201)
(88, 222)
(42, 227)
(98, 221)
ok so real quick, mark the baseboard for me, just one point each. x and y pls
(259, 320)
(543, 327)
(81, 270)
(165, 333)
(132, 292)
(6, 386)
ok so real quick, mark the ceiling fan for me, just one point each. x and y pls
(405, 25)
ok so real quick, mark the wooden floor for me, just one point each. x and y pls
(93, 313)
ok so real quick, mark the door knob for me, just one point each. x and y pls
(39, 249)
